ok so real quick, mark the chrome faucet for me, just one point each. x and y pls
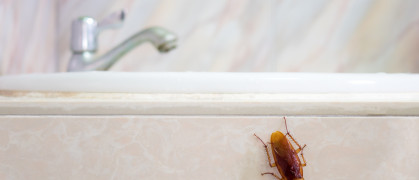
(85, 31)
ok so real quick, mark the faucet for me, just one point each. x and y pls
(84, 35)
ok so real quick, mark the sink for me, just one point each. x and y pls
(190, 125)
(204, 93)
(206, 82)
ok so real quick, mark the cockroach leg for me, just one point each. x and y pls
(305, 163)
(302, 156)
(267, 152)
(292, 138)
(299, 147)
(272, 175)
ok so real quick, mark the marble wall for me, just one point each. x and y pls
(219, 35)
(28, 36)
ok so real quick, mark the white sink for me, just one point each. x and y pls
(194, 82)
(191, 93)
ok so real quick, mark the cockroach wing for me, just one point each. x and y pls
(286, 158)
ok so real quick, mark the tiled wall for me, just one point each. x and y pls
(220, 35)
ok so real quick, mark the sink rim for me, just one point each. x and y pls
(213, 82)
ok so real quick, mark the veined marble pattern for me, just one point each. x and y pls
(267, 35)
(213, 35)
(220, 35)
(28, 36)
(179, 147)
(346, 36)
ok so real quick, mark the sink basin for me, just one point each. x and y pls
(194, 82)
(192, 93)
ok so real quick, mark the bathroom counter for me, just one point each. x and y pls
(193, 93)
(201, 127)
(342, 104)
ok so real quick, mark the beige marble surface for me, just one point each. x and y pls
(219, 35)
(193, 147)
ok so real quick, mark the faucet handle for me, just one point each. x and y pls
(85, 30)
(114, 20)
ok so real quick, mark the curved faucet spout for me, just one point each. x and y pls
(161, 38)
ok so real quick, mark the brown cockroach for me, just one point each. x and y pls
(285, 156)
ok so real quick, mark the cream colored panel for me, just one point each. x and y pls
(188, 147)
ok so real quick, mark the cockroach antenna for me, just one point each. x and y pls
(286, 127)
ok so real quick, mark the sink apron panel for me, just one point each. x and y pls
(203, 147)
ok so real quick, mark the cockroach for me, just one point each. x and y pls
(285, 156)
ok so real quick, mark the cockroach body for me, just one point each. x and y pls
(285, 156)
